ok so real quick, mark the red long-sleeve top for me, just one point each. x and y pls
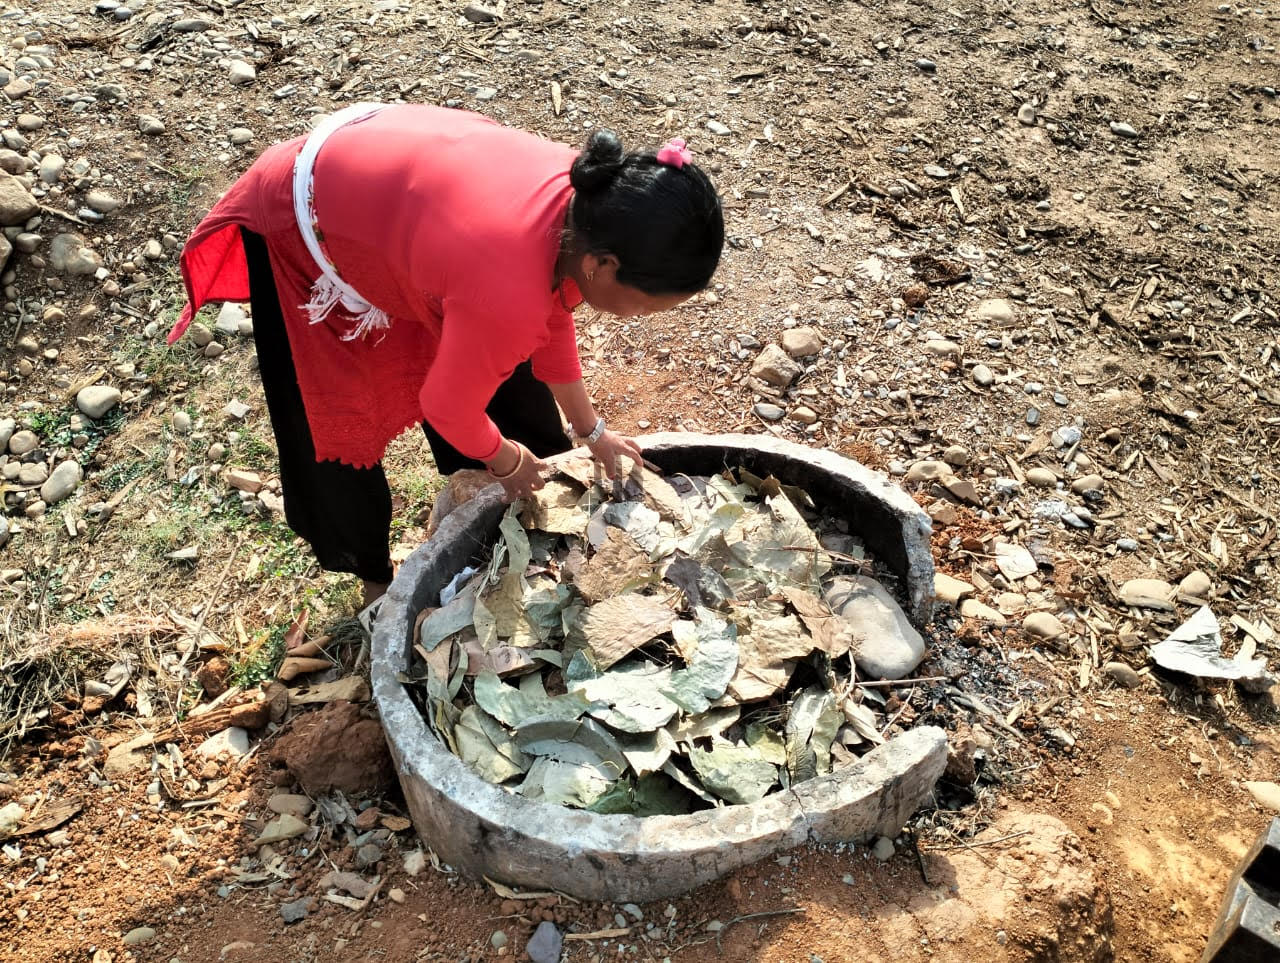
(447, 221)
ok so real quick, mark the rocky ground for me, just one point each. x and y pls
(1022, 258)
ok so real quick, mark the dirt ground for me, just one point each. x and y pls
(1105, 172)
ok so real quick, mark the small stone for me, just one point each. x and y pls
(153, 250)
(244, 480)
(230, 317)
(883, 849)
(62, 482)
(1065, 437)
(30, 122)
(291, 804)
(774, 366)
(239, 136)
(926, 65)
(973, 609)
(546, 944)
(96, 400)
(994, 310)
(200, 334)
(486, 93)
(1197, 585)
(241, 73)
(33, 473)
(717, 128)
(396, 894)
(415, 862)
(1041, 478)
(7, 428)
(1087, 483)
(193, 25)
(963, 489)
(1033, 416)
(802, 342)
(1014, 561)
(284, 827)
(17, 205)
(181, 423)
(478, 13)
(1121, 129)
(928, 471)
(890, 647)
(769, 412)
(150, 125)
(102, 202)
(139, 935)
(1147, 593)
(1266, 794)
(213, 349)
(233, 742)
(942, 348)
(23, 441)
(28, 242)
(368, 855)
(1044, 626)
(1123, 674)
(936, 172)
(957, 455)
(296, 910)
(498, 940)
(1027, 114)
(351, 883)
(634, 911)
(69, 254)
(949, 589)
(804, 415)
(217, 451)
(51, 168)
(237, 409)
(11, 816)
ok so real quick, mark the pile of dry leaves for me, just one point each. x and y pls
(676, 643)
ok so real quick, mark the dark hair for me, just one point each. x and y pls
(663, 224)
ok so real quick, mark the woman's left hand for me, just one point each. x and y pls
(610, 446)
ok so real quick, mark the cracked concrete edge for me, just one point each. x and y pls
(484, 830)
(880, 512)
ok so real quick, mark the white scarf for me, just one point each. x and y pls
(329, 290)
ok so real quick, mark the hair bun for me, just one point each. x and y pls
(598, 164)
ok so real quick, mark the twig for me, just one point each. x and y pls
(894, 683)
(217, 589)
(752, 916)
(985, 842)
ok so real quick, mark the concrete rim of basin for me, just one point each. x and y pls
(484, 830)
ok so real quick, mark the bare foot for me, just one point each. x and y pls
(372, 591)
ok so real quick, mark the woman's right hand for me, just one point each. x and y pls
(517, 469)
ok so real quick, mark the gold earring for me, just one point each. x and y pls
(591, 276)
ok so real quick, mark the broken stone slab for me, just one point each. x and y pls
(774, 366)
(233, 742)
(284, 826)
(483, 830)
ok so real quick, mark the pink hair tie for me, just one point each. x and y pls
(674, 154)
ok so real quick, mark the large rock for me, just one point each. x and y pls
(16, 203)
(96, 400)
(888, 645)
(774, 366)
(68, 254)
(1035, 883)
(62, 482)
(335, 748)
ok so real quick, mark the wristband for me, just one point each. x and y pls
(596, 432)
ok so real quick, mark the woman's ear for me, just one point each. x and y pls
(603, 265)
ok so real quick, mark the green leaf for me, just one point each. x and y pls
(703, 726)
(564, 783)
(487, 747)
(811, 728)
(644, 525)
(582, 742)
(766, 741)
(628, 698)
(515, 707)
(709, 647)
(648, 752)
(449, 620)
(737, 774)
(652, 795)
(518, 551)
(688, 782)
